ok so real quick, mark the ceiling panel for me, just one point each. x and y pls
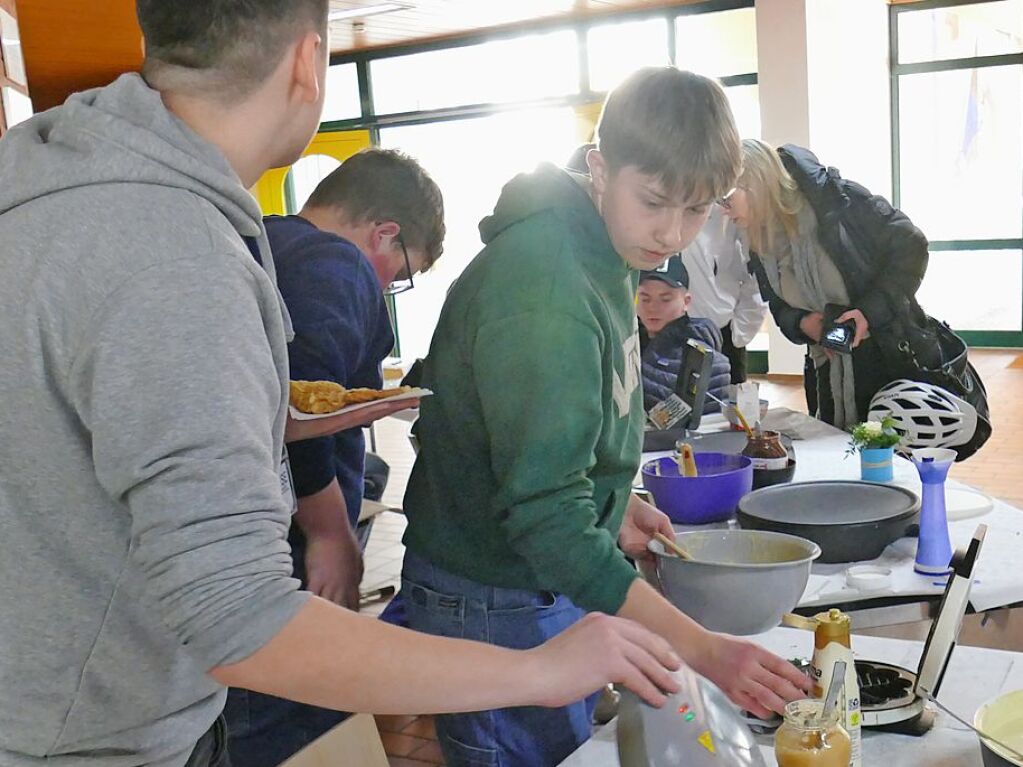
(434, 19)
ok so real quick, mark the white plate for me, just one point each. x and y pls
(298, 415)
(966, 503)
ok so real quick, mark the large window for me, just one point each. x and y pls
(15, 105)
(724, 44)
(957, 87)
(719, 44)
(616, 49)
(10, 49)
(305, 176)
(518, 69)
(470, 160)
(342, 100)
(477, 111)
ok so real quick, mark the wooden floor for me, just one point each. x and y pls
(997, 469)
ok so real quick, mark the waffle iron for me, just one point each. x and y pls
(894, 698)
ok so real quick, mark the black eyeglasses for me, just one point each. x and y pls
(726, 201)
(401, 284)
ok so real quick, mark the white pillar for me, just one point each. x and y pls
(850, 89)
(824, 84)
(782, 71)
(784, 116)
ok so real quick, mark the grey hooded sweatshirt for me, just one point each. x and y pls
(143, 377)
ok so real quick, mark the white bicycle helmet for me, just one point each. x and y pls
(925, 415)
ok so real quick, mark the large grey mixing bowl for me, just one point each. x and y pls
(740, 581)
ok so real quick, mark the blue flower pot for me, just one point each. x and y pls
(876, 464)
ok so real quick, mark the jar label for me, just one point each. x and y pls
(769, 464)
(823, 666)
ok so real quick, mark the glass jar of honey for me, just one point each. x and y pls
(807, 739)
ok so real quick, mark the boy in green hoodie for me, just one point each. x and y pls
(520, 507)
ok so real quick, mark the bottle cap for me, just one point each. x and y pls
(832, 626)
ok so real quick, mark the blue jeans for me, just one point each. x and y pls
(443, 604)
(211, 750)
(264, 730)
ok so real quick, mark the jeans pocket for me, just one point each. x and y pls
(433, 612)
(220, 757)
(458, 754)
(530, 625)
(211, 750)
(538, 603)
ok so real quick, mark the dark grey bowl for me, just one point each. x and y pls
(850, 521)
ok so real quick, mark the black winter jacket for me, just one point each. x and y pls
(880, 254)
(662, 360)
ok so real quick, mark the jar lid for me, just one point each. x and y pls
(868, 577)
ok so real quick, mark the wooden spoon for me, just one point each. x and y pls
(672, 546)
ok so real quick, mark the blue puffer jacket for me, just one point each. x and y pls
(662, 360)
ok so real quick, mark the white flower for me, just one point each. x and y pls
(873, 428)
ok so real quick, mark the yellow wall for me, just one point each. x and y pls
(586, 117)
(269, 190)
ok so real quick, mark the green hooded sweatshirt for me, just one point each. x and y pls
(529, 446)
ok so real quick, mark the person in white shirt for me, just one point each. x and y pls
(723, 290)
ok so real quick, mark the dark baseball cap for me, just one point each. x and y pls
(673, 272)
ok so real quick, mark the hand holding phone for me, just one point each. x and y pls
(837, 336)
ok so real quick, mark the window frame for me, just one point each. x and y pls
(1011, 338)
(5, 79)
(583, 95)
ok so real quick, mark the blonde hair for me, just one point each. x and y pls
(772, 195)
(676, 126)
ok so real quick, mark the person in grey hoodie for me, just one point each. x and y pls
(143, 520)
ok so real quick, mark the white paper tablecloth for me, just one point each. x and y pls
(974, 676)
(999, 575)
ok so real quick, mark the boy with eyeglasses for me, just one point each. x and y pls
(368, 227)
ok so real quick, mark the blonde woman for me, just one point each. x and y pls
(824, 248)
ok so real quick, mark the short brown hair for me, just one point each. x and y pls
(676, 126)
(230, 46)
(387, 185)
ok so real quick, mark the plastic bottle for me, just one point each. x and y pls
(832, 643)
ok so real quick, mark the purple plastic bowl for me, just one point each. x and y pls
(713, 496)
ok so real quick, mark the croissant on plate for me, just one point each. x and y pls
(317, 397)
